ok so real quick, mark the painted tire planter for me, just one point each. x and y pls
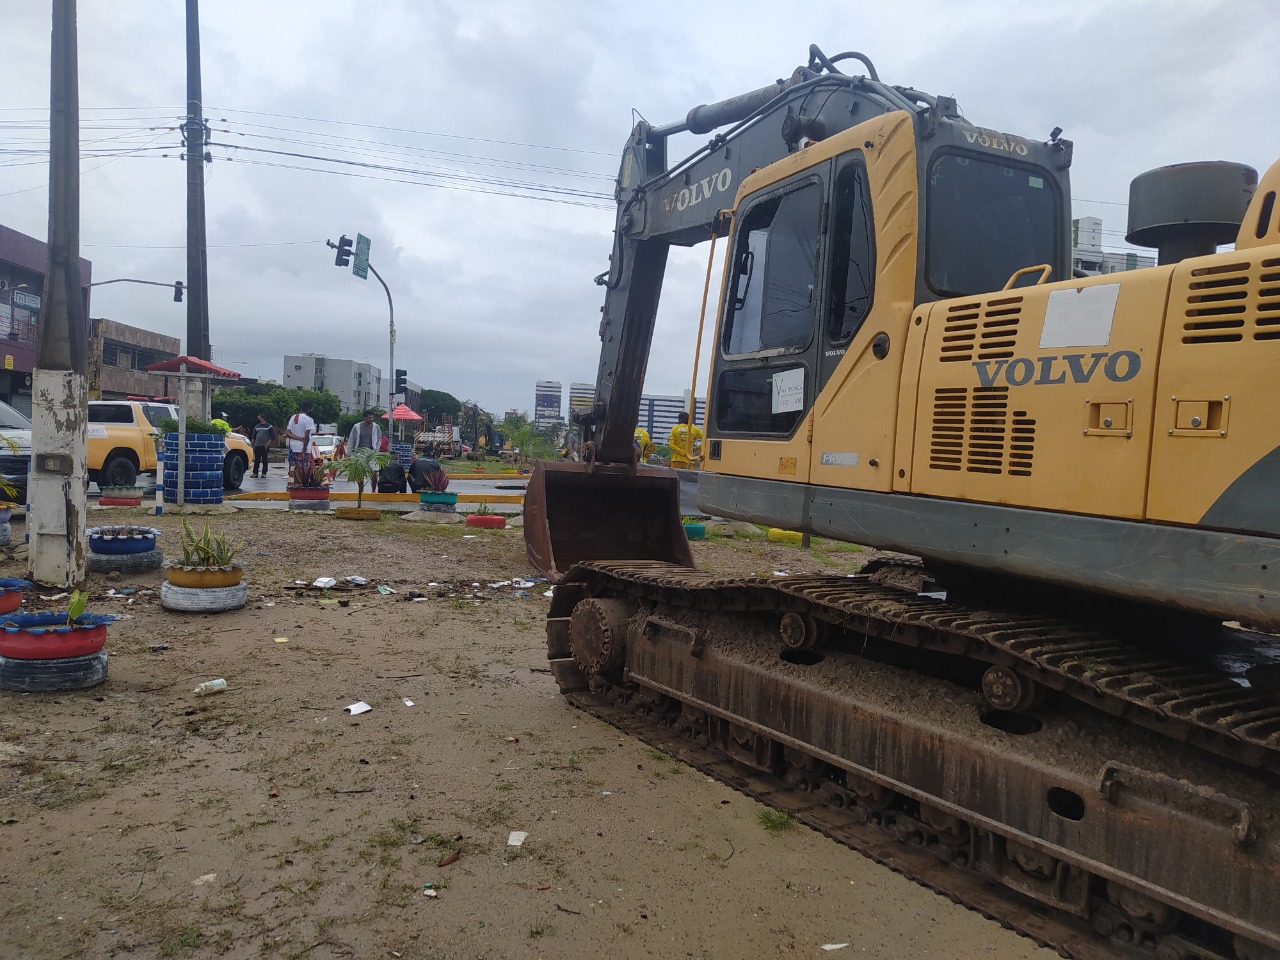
(203, 600)
(119, 501)
(120, 496)
(11, 590)
(489, 521)
(126, 562)
(308, 493)
(63, 673)
(202, 468)
(107, 540)
(357, 513)
(48, 636)
(434, 502)
(204, 578)
(6, 512)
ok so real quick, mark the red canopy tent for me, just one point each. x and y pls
(402, 412)
(193, 365)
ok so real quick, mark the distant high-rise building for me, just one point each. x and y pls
(1089, 258)
(546, 403)
(658, 414)
(581, 397)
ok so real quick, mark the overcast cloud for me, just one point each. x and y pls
(494, 292)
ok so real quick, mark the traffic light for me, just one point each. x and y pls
(344, 252)
(177, 291)
(402, 380)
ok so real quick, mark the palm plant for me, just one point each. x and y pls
(360, 466)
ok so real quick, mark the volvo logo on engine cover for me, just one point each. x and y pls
(1118, 367)
(698, 191)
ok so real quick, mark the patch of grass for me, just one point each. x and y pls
(541, 928)
(189, 938)
(775, 821)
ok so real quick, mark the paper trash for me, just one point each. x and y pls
(325, 583)
(516, 838)
(358, 707)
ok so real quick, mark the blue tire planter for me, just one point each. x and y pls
(103, 540)
(202, 479)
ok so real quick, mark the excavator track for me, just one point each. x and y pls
(1107, 673)
(1079, 831)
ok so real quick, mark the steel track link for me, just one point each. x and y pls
(1069, 937)
(1106, 673)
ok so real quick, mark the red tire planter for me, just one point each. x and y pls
(11, 590)
(120, 501)
(489, 521)
(39, 636)
(308, 493)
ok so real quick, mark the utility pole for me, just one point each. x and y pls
(194, 136)
(59, 405)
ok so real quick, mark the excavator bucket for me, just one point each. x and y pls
(575, 512)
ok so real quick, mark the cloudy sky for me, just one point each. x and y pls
(475, 142)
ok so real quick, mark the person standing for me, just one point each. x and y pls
(298, 432)
(263, 436)
(365, 433)
(685, 443)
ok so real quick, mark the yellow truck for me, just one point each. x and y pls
(121, 443)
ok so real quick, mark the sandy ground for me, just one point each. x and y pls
(139, 820)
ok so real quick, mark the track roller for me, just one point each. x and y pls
(598, 632)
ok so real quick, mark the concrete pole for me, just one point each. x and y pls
(59, 402)
(197, 262)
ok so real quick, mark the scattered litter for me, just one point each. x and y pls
(210, 686)
(419, 599)
(324, 583)
(781, 573)
(606, 793)
(53, 596)
(475, 584)
(549, 593)
(834, 946)
(157, 647)
(301, 583)
(934, 594)
(330, 600)
(429, 893)
(282, 639)
(358, 581)
(407, 701)
(5, 821)
(523, 594)
(270, 603)
(500, 583)
(522, 583)
(513, 739)
(465, 536)
(201, 881)
(384, 589)
(516, 838)
(417, 840)
(449, 858)
(433, 584)
(322, 719)
(358, 707)
(274, 791)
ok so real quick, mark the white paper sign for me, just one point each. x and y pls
(788, 390)
(1079, 318)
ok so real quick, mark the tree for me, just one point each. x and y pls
(360, 466)
(533, 444)
(434, 404)
(243, 404)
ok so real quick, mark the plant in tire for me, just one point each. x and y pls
(360, 467)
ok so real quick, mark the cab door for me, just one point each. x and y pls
(765, 368)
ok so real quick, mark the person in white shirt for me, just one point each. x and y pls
(298, 432)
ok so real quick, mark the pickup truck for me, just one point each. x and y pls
(122, 443)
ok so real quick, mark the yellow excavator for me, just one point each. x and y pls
(1087, 468)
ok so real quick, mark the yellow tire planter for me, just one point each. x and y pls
(357, 513)
(204, 577)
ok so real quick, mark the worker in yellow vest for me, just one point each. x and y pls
(685, 452)
(643, 444)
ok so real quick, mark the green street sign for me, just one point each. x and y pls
(360, 263)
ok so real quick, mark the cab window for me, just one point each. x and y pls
(852, 255)
(771, 303)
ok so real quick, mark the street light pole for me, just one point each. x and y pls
(391, 372)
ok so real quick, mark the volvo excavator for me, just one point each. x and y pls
(1053, 696)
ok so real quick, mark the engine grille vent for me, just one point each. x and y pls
(979, 434)
(980, 331)
(1228, 302)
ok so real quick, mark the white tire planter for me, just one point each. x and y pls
(203, 599)
(126, 562)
